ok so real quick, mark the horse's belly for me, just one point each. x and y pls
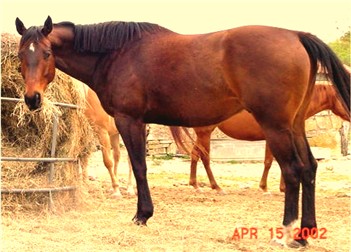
(193, 114)
(242, 126)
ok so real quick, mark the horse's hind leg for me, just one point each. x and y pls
(202, 149)
(308, 173)
(268, 160)
(308, 180)
(282, 144)
(297, 164)
(195, 156)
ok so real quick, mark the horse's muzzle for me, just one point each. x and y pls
(33, 102)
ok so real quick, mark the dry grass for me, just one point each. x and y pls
(183, 220)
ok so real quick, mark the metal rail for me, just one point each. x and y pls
(40, 190)
(46, 160)
(61, 104)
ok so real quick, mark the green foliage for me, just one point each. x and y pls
(163, 156)
(342, 48)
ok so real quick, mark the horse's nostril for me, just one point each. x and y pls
(33, 102)
(37, 99)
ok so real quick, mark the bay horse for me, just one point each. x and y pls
(144, 73)
(108, 135)
(243, 126)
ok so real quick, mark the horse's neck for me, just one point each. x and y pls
(320, 101)
(78, 65)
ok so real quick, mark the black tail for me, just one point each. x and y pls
(332, 66)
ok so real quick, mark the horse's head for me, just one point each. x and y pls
(37, 61)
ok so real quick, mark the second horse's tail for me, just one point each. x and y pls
(182, 138)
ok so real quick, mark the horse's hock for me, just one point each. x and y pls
(40, 151)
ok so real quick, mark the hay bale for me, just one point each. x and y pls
(29, 134)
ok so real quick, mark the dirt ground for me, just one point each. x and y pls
(184, 220)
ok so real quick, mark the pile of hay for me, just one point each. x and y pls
(29, 134)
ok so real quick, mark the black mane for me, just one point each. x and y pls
(104, 37)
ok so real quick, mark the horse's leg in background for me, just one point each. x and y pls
(202, 149)
(195, 156)
(116, 152)
(106, 143)
(268, 160)
(282, 183)
(133, 134)
(114, 139)
(116, 156)
(83, 168)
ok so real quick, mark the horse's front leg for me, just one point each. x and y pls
(133, 135)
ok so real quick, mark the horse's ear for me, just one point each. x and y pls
(47, 27)
(20, 26)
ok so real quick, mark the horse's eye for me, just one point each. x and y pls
(46, 55)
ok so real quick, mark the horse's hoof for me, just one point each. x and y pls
(221, 192)
(297, 243)
(130, 191)
(139, 222)
(264, 188)
(116, 195)
(277, 242)
(92, 178)
(290, 244)
(198, 190)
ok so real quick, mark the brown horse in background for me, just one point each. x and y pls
(243, 126)
(108, 135)
(144, 73)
